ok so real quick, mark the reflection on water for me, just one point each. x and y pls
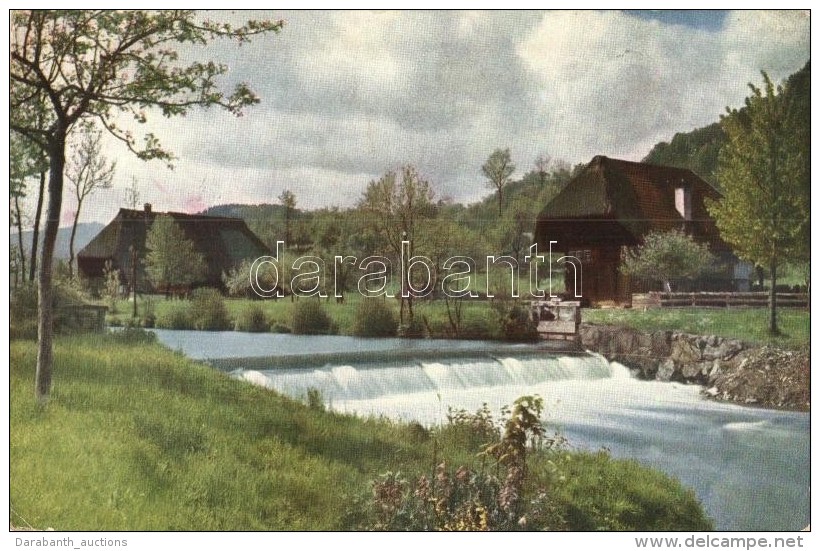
(749, 467)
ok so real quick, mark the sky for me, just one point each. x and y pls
(348, 95)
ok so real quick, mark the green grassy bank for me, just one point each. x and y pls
(479, 320)
(748, 324)
(139, 438)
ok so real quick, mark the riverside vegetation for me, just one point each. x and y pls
(137, 437)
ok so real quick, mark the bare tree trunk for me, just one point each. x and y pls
(35, 238)
(773, 329)
(45, 310)
(71, 240)
(20, 236)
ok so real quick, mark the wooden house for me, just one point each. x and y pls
(224, 242)
(612, 204)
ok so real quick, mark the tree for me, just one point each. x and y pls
(288, 200)
(498, 170)
(87, 171)
(542, 168)
(764, 172)
(666, 256)
(20, 168)
(171, 259)
(393, 210)
(103, 64)
(132, 195)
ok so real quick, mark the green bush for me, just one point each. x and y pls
(177, 316)
(23, 309)
(310, 318)
(133, 335)
(280, 328)
(479, 324)
(374, 318)
(149, 314)
(252, 319)
(208, 310)
(517, 325)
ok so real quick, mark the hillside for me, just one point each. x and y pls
(698, 149)
(86, 231)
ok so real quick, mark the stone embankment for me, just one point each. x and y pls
(729, 369)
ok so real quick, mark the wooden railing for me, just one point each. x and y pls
(727, 300)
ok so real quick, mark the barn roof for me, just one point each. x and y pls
(638, 197)
(223, 241)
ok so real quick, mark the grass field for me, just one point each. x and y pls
(137, 437)
(749, 324)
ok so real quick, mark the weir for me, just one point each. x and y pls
(749, 466)
(374, 380)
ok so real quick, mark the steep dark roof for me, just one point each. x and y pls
(224, 242)
(639, 197)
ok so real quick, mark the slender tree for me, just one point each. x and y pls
(288, 200)
(132, 195)
(103, 64)
(764, 172)
(87, 171)
(498, 170)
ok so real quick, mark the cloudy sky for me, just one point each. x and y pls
(346, 96)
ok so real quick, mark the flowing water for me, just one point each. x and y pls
(748, 466)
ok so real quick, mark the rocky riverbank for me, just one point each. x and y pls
(728, 369)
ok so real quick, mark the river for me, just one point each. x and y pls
(748, 466)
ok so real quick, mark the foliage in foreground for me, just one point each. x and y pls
(528, 480)
(139, 438)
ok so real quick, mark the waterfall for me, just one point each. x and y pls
(369, 381)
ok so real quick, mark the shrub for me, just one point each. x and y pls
(414, 329)
(466, 499)
(374, 318)
(280, 328)
(149, 315)
(133, 335)
(175, 317)
(252, 319)
(517, 325)
(479, 324)
(310, 318)
(23, 309)
(314, 399)
(208, 311)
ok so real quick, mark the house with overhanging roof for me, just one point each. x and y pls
(612, 204)
(224, 243)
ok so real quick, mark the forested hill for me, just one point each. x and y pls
(698, 150)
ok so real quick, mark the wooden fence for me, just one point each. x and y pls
(726, 300)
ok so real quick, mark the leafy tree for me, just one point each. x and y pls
(764, 171)
(288, 200)
(666, 256)
(498, 170)
(87, 171)
(70, 66)
(393, 210)
(172, 259)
